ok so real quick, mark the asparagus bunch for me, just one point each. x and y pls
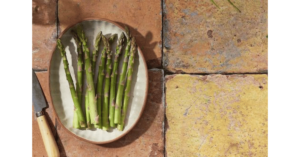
(128, 84)
(107, 107)
(78, 120)
(94, 116)
(114, 76)
(120, 92)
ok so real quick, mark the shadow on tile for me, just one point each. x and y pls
(144, 42)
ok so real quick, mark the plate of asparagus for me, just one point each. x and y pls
(98, 81)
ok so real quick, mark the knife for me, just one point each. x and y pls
(39, 104)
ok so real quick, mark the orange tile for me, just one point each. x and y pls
(44, 32)
(143, 18)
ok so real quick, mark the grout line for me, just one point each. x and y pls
(166, 72)
(162, 33)
(40, 70)
(164, 107)
(214, 73)
(57, 20)
(163, 77)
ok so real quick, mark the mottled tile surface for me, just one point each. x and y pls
(142, 17)
(146, 139)
(200, 38)
(217, 115)
(44, 32)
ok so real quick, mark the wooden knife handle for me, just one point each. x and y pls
(48, 138)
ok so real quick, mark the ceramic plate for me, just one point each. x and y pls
(60, 93)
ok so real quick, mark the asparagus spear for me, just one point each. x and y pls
(77, 107)
(128, 84)
(79, 76)
(117, 116)
(90, 83)
(76, 124)
(105, 122)
(114, 74)
(87, 111)
(96, 45)
(79, 83)
(100, 82)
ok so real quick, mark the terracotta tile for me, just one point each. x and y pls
(143, 18)
(146, 138)
(200, 38)
(217, 115)
(43, 79)
(44, 32)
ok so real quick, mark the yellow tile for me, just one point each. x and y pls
(217, 115)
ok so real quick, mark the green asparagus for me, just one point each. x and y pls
(105, 122)
(128, 84)
(100, 82)
(90, 83)
(114, 75)
(77, 108)
(96, 45)
(120, 92)
(79, 82)
(87, 111)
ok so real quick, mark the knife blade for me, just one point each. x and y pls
(39, 104)
(38, 98)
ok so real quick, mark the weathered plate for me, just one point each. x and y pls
(60, 93)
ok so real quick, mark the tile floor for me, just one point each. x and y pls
(208, 82)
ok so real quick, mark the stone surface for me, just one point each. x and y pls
(216, 115)
(146, 139)
(200, 38)
(142, 17)
(44, 32)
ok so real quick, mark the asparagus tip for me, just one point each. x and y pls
(98, 38)
(121, 39)
(112, 37)
(104, 41)
(128, 33)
